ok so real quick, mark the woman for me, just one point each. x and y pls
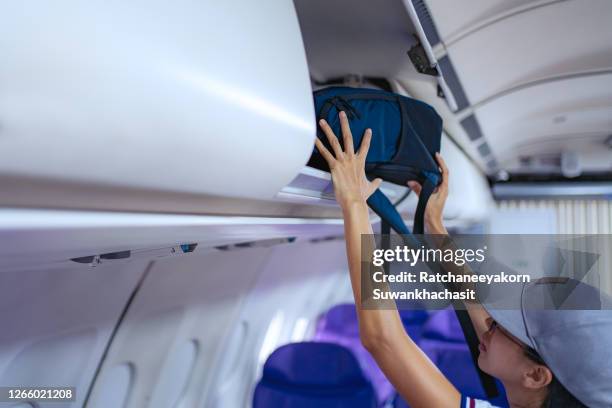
(528, 381)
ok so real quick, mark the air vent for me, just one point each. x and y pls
(471, 127)
(484, 149)
(426, 22)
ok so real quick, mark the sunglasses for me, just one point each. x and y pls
(530, 352)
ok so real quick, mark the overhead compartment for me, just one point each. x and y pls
(369, 39)
(183, 97)
(146, 107)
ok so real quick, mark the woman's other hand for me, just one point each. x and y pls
(435, 205)
(347, 167)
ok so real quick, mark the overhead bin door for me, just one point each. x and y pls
(190, 97)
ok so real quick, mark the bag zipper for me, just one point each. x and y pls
(342, 104)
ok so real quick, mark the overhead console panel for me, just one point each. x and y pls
(178, 97)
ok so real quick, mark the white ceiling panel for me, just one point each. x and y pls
(563, 37)
(549, 116)
(453, 18)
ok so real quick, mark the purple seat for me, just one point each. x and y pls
(340, 325)
(413, 321)
(313, 375)
(340, 320)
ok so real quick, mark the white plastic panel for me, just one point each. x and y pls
(39, 362)
(39, 237)
(57, 323)
(187, 96)
(175, 375)
(523, 121)
(453, 18)
(564, 37)
(186, 299)
(114, 385)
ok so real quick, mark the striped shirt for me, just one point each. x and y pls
(469, 402)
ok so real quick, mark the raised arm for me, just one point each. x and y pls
(414, 376)
(433, 222)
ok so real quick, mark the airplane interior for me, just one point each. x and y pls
(164, 243)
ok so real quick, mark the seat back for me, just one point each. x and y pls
(340, 320)
(414, 321)
(313, 374)
(339, 325)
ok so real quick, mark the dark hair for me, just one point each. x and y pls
(558, 396)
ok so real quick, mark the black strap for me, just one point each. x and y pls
(471, 338)
(385, 236)
(427, 189)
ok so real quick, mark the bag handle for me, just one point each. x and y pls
(427, 189)
(380, 204)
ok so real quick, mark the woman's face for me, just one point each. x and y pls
(502, 355)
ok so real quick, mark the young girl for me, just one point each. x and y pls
(528, 380)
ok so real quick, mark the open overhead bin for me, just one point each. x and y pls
(370, 39)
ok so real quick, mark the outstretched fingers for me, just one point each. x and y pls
(329, 158)
(346, 134)
(331, 137)
(365, 144)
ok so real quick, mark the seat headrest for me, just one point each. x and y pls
(341, 319)
(313, 364)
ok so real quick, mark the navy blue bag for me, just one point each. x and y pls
(406, 135)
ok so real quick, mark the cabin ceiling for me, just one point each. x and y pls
(532, 79)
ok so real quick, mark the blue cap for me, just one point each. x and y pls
(569, 324)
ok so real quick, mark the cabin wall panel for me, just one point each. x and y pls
(57, 321)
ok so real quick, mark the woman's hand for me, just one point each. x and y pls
(347, 167)
(435, 205)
